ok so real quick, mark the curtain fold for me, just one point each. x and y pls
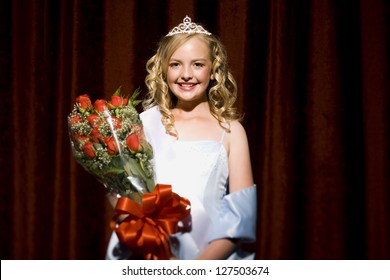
(313, 79)
(375, 73)
(327, 187)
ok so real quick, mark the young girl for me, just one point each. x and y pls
(200, 147)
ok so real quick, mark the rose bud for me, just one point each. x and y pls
(88, 149)
(84, 101)
(133, 143)
(117, 101)
(100, 105)
(112, 147)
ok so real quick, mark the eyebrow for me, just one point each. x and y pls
(194, 60)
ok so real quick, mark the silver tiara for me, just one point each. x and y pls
(188, 27)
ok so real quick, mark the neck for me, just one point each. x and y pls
(195, 105)
(193, 108)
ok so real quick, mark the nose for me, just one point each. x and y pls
(186, 74)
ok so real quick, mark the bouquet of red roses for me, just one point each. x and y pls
(107, 139)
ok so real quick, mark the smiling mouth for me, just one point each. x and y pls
(187, 85)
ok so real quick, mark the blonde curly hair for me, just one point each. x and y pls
(221, 92)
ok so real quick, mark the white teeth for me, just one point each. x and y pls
(186, 85)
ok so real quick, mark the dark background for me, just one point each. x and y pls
(313, 81)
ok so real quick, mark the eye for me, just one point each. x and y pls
(174, 64)
(198, 64)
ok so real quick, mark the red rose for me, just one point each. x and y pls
(88, 149)
(75, 119)
(132, 142)
(94, 120)
(116, 122)
(84, 101)
(112, 147)
(139, 130)
(100, 105)
(117, 101)
(80, 138)
(95, 135)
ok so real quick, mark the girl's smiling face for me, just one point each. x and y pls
(189, 71)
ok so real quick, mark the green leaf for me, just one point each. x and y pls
(136, 102)
(118, 91)
(135, 94)
(117, 162)
(97, 146)
(113, 170)
(136, 169)
(132, 100)
(150, 184)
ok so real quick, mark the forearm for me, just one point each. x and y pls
(218, 249)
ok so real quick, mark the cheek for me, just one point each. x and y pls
(205, 75)
(170, 80)
(171, 76)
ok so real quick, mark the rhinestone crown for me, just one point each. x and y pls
(188, 27)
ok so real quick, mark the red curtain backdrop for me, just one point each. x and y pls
(313, 81)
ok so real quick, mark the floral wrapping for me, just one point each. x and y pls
(107, 139)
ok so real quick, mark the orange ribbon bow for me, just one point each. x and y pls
(147, 226)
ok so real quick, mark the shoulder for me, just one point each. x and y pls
(237, 131)
(236, 139)
(151, 118)
(150, 113)
(153, 127)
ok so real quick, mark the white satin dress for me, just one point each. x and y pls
(197, 170)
